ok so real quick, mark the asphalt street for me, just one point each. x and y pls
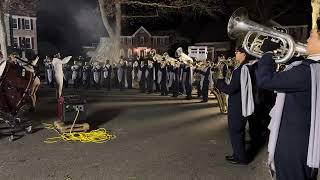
(158, 138)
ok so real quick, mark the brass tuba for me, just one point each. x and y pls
(183, 57)
(239, 25)
(155, 56)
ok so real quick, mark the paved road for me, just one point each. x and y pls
(158, 138)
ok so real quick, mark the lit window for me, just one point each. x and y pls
(129, 53)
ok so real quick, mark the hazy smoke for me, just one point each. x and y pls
(67, 25)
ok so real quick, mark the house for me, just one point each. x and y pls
(132, 44)
(21, 27)
(141, 42)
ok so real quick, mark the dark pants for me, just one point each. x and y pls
(150, 85)
(204, 91)
(96, 84)
(142, 85)
(129, 82)
(107, 83)
(199, 91)
(188, 87)
(76, 83)
(237, 126)
(122, 84)
(86, 83)
(164, 90)
(175, 88)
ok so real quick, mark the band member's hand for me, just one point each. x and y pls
(269, 44)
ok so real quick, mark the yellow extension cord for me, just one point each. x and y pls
(100, 135)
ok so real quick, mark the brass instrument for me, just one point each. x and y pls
(230, 64)
(222, 100)
(169, 59)
(255, 35)
(155, 56)
(183, 57)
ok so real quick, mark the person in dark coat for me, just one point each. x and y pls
(115, 76)
(176, 81)
(182, 71)
(188, 70)
(129, 74)
(263, 102)
(86, 75)
(291, 150)
(164, 79)
(150, 77)
(107, 73)
(157, 68)
(206, 72)
(66, 72)
(122, 73)
(236, 122)
(142, 83)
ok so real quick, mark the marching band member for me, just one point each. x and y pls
(198, 77)
(75, 74)
(142, 76)
(122, 79)
(171, 75)
(182, 77)
(176, 79)
(188, 79)
(163, 78)
(49, 71)
(58, 72)
(115, 75)
(130, 74)
(150, 75)
(156, 66)
(206, 80)
(66, 75)
(96, 71)
(236, 121)
(294, 128)
(135, 74)
(107, 72)
(86, 75)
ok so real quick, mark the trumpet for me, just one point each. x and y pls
(256, 34)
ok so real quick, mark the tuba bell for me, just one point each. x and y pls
(255, 34)
(155, 56)
(182, 56)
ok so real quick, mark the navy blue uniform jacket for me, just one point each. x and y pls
(292, 145)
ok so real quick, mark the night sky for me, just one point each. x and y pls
(66, 25)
